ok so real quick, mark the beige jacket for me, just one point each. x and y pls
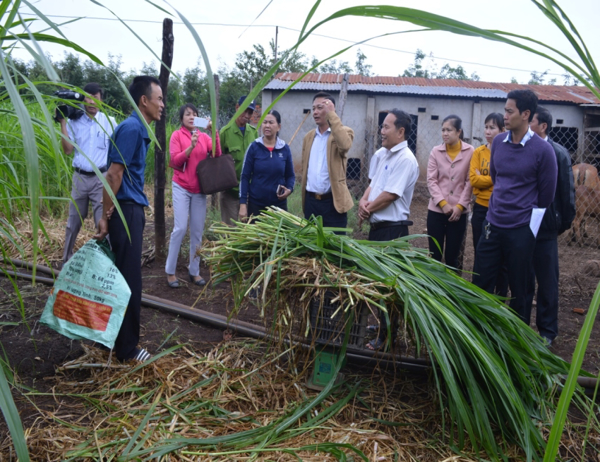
(338, 145)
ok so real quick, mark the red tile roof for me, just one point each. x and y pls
(573, 94)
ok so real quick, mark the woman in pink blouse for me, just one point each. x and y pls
(188, 147)
(450, 190)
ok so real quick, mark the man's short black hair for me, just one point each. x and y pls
(323, 94)
(142, 85)
(544, 117)
(187, 106)
(525, 100)
(93, 88)
(403, 120)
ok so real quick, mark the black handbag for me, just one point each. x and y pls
(216, 174)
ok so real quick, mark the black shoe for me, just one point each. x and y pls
(198, 282)
(142, 355)
(173, 284)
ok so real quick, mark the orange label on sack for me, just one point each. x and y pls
(81, 311)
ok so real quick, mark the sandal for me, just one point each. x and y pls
(198, 282)
(173, 284)
(375, 344)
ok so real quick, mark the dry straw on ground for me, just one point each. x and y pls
(235, 387)
(102, 410)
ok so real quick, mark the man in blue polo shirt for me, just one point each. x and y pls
(125, 175)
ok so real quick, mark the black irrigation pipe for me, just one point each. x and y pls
(354, 356)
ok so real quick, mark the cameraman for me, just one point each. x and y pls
(91, 133)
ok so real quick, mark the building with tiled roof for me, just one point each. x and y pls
(575, 109)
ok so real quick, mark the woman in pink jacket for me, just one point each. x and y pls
(450, 190)
(188, 146)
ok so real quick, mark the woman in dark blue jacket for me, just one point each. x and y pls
(268, 172)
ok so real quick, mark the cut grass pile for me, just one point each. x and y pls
(494, 374)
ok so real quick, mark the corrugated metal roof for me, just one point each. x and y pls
(431, 87)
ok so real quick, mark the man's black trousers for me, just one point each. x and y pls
(128, 259)
(545, 268)
(324, 208)
(514, 248)
(381, 235)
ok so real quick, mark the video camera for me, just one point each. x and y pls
(66, 110)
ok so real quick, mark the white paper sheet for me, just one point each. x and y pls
(536, 220)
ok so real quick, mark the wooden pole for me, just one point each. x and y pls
(298, 129)
(343, 96)
(160, 150)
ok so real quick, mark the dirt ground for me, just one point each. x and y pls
(34, 351)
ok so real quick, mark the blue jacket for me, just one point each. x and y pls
(263, 171)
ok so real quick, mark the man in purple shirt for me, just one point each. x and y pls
(523, 170)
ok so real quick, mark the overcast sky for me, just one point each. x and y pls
(222, 26)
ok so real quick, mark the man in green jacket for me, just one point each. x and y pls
(235, 140)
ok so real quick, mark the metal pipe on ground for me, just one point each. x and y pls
(242, 327)
(364, 357)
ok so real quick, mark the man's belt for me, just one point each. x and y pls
(85, 172)
(320, 197)
(389, 224)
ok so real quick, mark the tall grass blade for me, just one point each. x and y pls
(31, 152)
(571, 382)
(11, 415)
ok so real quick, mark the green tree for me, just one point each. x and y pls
(70, 70)
(362, 68)
(253, 65)
(107, 77)
(37, 73)
(334, 67)
(233, 86)
(195, 88)
(537, 78)
(458, 73)
(419, 69)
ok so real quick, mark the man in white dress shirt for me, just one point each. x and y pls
(393, 172)
(386, 202)
(88, 137)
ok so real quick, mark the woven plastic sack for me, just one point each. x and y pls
(89, 297)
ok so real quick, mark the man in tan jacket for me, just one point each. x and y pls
(324, 160)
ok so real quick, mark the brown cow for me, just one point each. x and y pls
(587, 204)
(586, 175)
